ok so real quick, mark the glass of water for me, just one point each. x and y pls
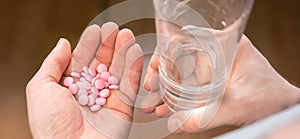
(196, 44)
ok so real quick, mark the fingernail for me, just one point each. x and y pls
(174, 125)
(95, 25)
(60, 42)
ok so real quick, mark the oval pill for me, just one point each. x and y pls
(83, 100)
(115, 87)
(112, 80)
(86, 85)
(99, 84)
(94, 90)
(87, 76)
(104, 93)
(82, 92)
(73, 88)
(68, 81)
(94, 95)
(75, 74)
(93, 81)
(95, 108)
(105, 75)
(81, 86)
(85, 69)
(91, 100)
(101, 68)
(92, 71)
(83, 79)
(100, 101)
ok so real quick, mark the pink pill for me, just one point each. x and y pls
(99, 84)
(100, 101)
(92, 72)
(93, 81)
(104, 93)
(95, 91)
(101, 68)
(68, 81)
(73, 88)
(115, 87)
(81, 86)
(95, 108)
(78, 84)
(91, 100)
(105, 75)
(83, 79)
(75, 74)
(85, 69)
(94, 95)
(83, 100)
(82, 92)
(87, 76)
(112, 80)
(86, 85)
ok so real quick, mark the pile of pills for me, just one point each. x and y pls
(93, 87)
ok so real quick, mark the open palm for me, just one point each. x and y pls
(53, 111)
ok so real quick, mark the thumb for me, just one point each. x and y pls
(56, 62)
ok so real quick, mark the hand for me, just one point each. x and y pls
(254, 90)
(52, 110)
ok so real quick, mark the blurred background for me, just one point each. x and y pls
(30, 29)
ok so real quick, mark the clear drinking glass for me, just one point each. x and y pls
(196, 44)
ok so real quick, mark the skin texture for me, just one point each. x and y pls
(254, 90)
(54, 113)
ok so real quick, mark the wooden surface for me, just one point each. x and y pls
(30, 29)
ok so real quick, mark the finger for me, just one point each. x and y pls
(162, 110)
(125, 39)
(104, 55)
(199, 119)
(55, 63)
(85, 49)
(154, 62)
(130, 81)
(151, 101)
(151, 79)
